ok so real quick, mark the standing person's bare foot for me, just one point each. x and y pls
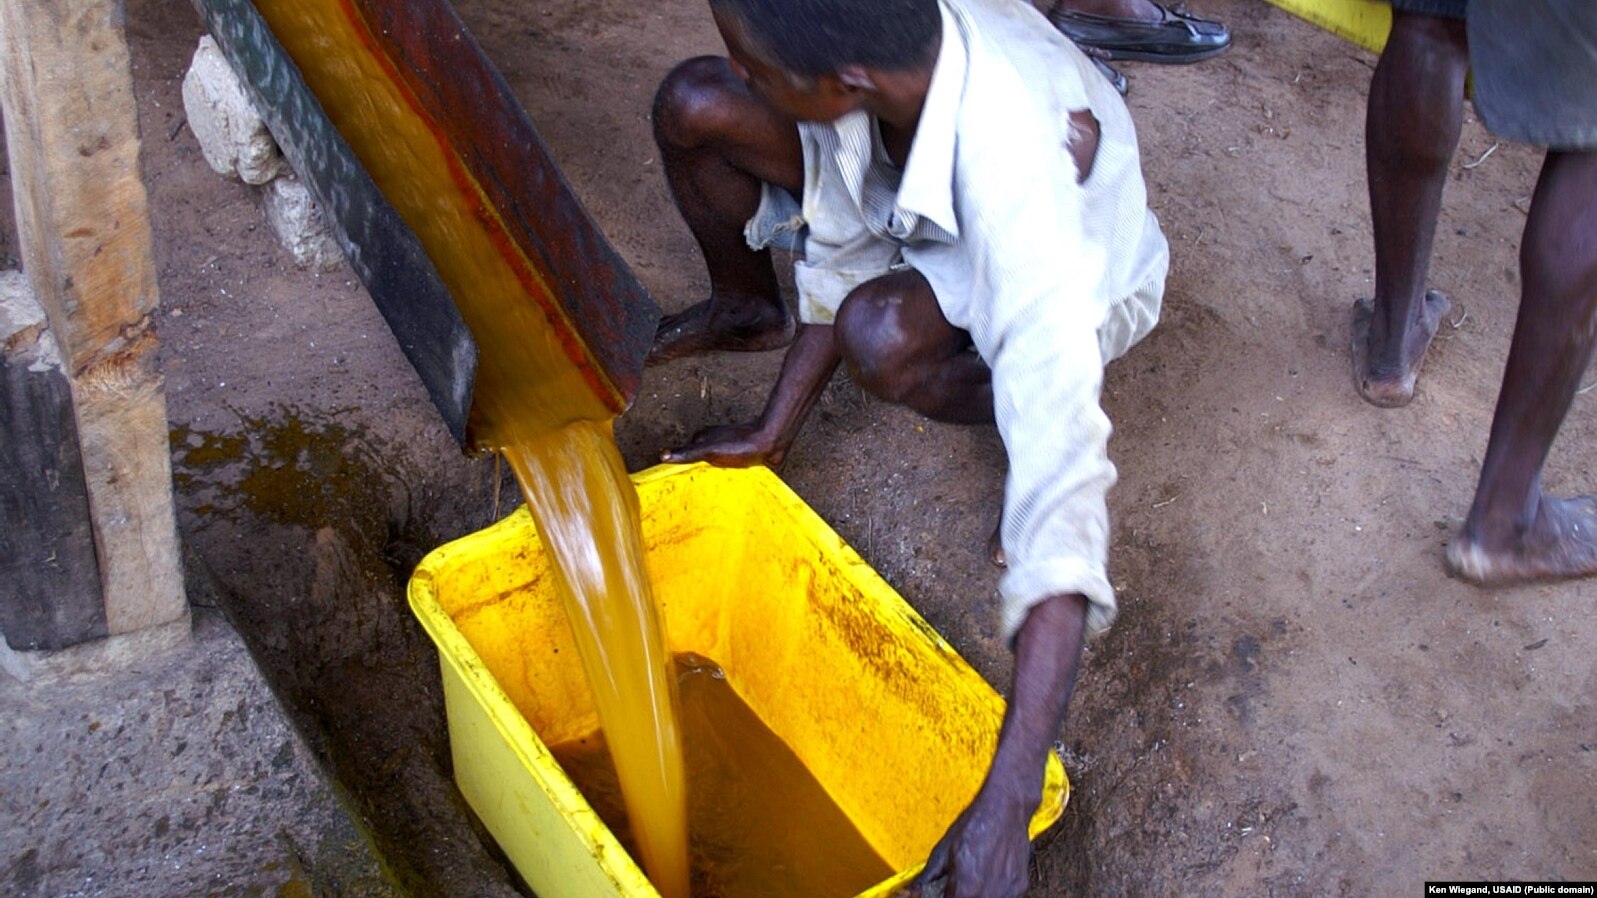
(1391, 386)
(751, 327)
(1560, 542)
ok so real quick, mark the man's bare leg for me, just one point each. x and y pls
(898, 346)
(717, 143)
(1514, 531)
(1411, 130)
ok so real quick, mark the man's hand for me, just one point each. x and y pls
(808, 365)
(985, 854)
(729, 446)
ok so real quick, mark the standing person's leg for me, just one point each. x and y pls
(718, 143)
(1411, 130)
(1515, 531)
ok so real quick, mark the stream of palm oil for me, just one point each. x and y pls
(534, 406)
(529, 403)
(587, 515)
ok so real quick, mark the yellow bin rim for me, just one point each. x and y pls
(517, 733)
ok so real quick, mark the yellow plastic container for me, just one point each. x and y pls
(894, 724)
(1363, 22)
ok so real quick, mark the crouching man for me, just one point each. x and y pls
(966, 190)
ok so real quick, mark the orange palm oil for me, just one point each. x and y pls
(531, 402)
(762, 826)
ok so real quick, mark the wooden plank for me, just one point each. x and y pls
(83, 225)
(50, 598)
(72, 135)
(127, 463)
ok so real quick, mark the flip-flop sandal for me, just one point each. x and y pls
(1178, 37)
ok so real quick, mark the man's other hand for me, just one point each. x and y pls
(729, 446)
(985, 854)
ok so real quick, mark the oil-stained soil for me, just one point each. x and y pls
(1296, 701)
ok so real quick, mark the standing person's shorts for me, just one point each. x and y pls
(1534, 66)
(1447, 9)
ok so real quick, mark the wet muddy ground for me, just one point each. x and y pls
(1296, 700)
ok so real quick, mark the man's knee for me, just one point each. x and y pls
(875, 341)
(692, 105)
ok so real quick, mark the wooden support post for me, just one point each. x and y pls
(72, 137)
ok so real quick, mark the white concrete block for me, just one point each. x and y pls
(98, 656)
(231, 133)
(299, 224)
(23, 327)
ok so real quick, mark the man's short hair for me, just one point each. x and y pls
(818, 37)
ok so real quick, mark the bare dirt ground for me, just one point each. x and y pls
(1296, 701)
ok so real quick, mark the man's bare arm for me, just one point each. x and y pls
(806, 369)
(985, 853)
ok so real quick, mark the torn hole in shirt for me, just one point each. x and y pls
(1083, 142)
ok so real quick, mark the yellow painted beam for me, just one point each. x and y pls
(1364, 22)
(72, 143)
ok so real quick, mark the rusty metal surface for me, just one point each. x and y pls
(383, 252)
(470, 101)
(444, 68)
